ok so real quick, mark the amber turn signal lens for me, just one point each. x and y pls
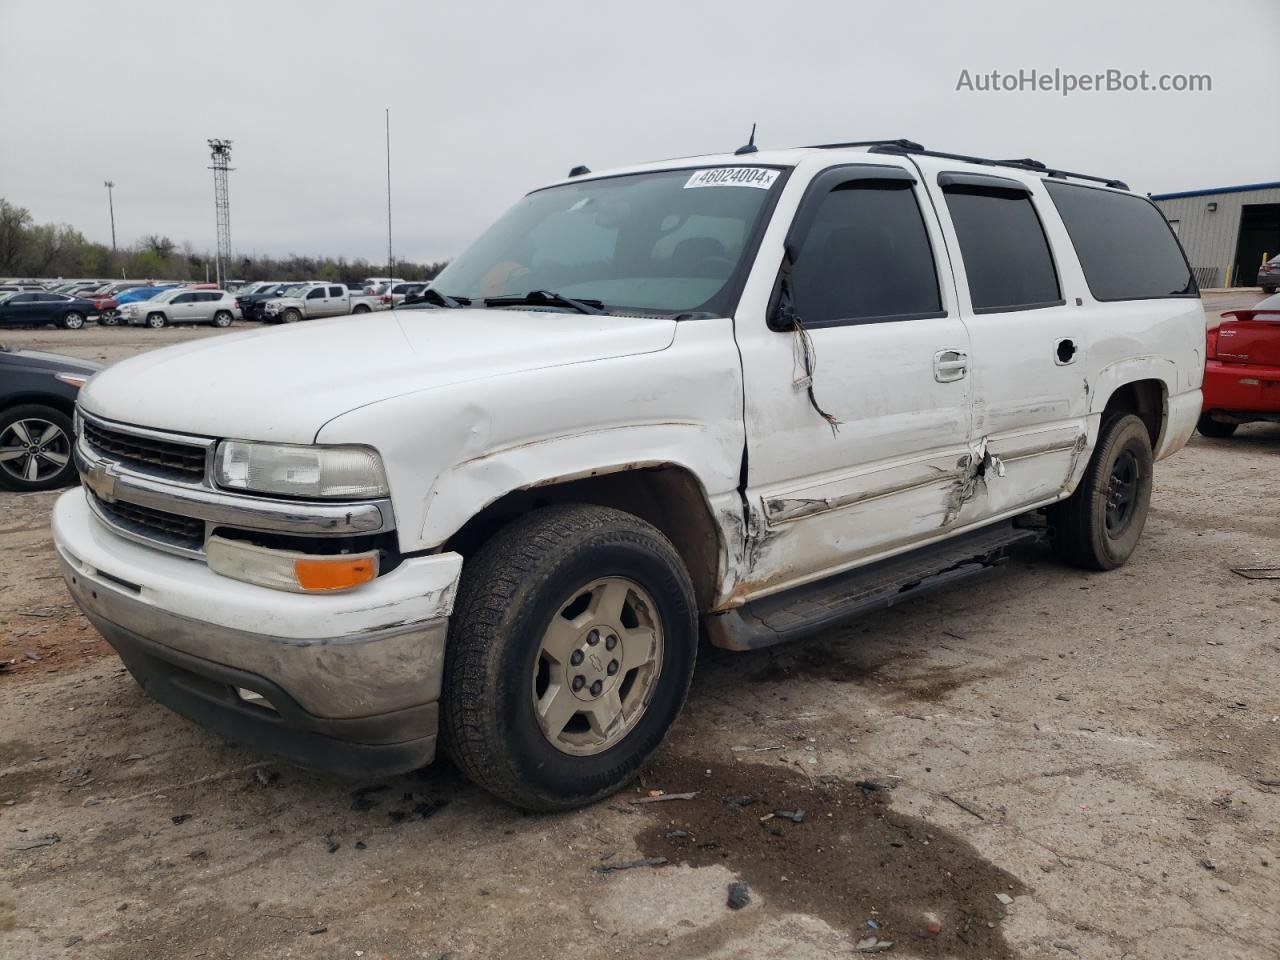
(336, 573)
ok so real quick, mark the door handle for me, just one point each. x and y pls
(950, 365)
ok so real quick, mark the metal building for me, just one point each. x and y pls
(1227, 232)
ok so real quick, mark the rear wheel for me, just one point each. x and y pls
(156, 320)
(35, 448)
(1270, 290)
(72, 320)
(361, 309)
(1099, 525)
(570, 653)
(222, 319)
(1212, 428)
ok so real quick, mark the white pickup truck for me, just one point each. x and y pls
(762, 392)
(311, 301)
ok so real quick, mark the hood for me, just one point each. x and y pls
(55, 362)
(284, 383)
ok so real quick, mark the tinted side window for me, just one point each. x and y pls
(1126, 247)
(337, 292)
(316, 294)
(1006, 255)
(183, 298)
(866, 257)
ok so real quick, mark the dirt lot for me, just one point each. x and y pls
(1101, 751)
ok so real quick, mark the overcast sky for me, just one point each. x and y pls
(489, 100)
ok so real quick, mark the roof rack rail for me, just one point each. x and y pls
(901, 143)
(908, 146)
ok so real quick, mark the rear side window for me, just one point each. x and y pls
(1126, 247)
(337, 292)
(866, 258)
(1006, 255)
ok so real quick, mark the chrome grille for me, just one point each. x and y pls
(164, 458)
(183, 532)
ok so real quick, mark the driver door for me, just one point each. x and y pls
(879, 348)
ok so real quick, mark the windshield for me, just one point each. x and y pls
(667, 241)
(294, 290)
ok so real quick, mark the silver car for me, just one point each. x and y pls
(181, 305)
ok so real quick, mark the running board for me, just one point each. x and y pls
(812, 608)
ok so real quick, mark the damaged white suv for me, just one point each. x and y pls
(759, 392)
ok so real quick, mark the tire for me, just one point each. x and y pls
(290, 316)
(360, 309)
(1270, 290)
(21, 427)
(1089, 530)
(514, 591)
(73, 320)
(222, 319)
(1212, 428)
(156, 321)
(108, 318)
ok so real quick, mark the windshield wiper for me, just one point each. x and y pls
(431, 295)
(538, 298)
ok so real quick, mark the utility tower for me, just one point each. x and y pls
(111, 207)
(221, 154)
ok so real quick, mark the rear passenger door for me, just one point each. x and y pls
(339, 302)
(1031, 399)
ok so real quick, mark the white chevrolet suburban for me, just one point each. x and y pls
(760, 392)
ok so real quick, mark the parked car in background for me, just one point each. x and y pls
(1269, 275)
(1242, 369)
(372, 283)
(181, 305)
(30, 308)
(37, 401)
(310, 301)
(397, 293)
(138, 294)
(251, 304)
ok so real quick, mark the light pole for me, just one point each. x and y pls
(109, 184)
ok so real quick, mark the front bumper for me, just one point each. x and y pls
(351, 681)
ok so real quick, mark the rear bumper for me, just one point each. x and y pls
(1241, 388)
(348, 682)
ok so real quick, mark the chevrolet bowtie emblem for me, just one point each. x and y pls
(102, 483)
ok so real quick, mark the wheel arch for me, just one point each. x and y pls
(667, 495)
(61, 404)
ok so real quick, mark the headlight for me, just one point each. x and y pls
(271, 307)
(295, 470)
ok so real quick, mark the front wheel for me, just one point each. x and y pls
(1098, 526)
(72, 320)
(1212, 428)
(156, 320)
(1270, 290)
(35, 448)
(570, 653)
(108, 318)
(291, 316)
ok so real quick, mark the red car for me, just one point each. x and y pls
(1242, 370)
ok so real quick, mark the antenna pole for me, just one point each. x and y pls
(111, 206)
(390, 261)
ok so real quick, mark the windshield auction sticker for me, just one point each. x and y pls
(733, 177)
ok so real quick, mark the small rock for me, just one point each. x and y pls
(361, 845)
(134, 756)
(1004, 898)
(180, 818)
(31, 843)
(72, 941)
(1208, 863)
(739, 895)
(795, 816)
(934, 928)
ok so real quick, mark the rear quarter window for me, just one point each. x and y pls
(1126, 247)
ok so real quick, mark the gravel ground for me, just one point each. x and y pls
(1044, 763)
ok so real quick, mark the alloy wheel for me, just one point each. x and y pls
(33, 450)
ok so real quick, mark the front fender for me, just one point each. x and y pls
(450, 451)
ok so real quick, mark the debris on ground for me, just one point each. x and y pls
(180, 818)
(739, 895)
(266, 777)
(660, 797)
(934, 928)
(964, 806)
(1208, 863)
(1004, 898)
(873, 945)
(763, 749)
(31, 843)
(795, 816)
(738, 801)
(631, 864)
